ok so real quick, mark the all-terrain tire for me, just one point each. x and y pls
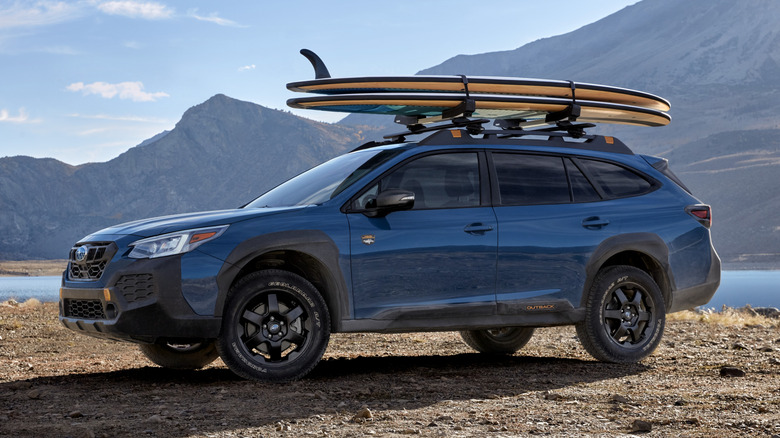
(625, 315)
(181, 356)
(275, 327)
(506, 340)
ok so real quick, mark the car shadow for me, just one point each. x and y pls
(161, 402)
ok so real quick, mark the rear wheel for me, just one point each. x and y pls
(505, 340)
(181, 356)
(625, 315)
(275, 327)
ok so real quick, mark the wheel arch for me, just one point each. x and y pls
(644, 251)
(309, 254)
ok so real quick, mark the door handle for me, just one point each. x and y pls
(478, 228)
(595, 223)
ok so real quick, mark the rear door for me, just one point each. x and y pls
(550, 219)
(435, 260)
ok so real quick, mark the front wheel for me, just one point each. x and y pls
(625, 315)
(275, 327)
(505, 340)
(181, 356)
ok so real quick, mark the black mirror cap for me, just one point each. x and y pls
(391, 200)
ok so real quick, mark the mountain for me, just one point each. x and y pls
(221, 154)
(717, 62)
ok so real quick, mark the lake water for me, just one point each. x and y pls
(737, 288)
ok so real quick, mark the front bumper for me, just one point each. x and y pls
(137, 301)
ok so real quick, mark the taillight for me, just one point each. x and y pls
(702, 213)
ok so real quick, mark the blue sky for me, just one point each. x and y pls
(83, 81)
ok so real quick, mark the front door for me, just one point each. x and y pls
(435, 260)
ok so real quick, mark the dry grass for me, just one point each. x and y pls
(31, 303)
(727, 316)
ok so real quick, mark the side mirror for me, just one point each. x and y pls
(390, 201)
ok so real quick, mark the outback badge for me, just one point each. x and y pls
(368, 239)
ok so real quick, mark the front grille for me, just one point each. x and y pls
(135, 287)
(84, 309)
(95, 259)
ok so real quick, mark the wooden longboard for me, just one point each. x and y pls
(482, 85)
(529, 108)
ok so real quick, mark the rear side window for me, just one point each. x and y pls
(615, 181)
(531, 179)
(581, 189)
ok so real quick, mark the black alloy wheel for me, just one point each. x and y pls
(276, 327)
(624, 315)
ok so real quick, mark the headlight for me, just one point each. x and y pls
(174, 243)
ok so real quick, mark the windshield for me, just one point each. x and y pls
(325, 181)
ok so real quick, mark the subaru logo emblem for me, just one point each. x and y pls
(81, 253)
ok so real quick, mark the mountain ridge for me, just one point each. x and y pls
(206, 162)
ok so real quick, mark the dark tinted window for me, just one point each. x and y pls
(615, 181)
(437, 181)
(530, 179)
(581, 188)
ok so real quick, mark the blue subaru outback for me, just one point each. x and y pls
(490, 233)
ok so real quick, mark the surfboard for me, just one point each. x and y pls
(531, 109)
(482, 85)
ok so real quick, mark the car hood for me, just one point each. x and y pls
(168, 224)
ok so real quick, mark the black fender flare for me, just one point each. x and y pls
(648, 244)
(312, 243)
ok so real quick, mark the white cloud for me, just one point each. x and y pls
(213, 18)
(247, 68)
(125, 90)
(136, 9)
(23, 117)
(42, 13)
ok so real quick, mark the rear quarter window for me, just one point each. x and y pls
(615, 181)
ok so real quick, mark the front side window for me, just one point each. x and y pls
(438, 181)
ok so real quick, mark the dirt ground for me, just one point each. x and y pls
(32, 268)
(55, 383)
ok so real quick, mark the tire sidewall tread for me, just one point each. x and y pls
(245, 290)
(591, 332)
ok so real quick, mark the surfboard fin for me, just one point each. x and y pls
(320, 71)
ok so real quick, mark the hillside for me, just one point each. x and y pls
(718, 62)
(221, 154)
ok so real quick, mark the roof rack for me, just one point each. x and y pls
(509, 128)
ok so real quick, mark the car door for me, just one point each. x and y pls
(550, 222)
(437, 259)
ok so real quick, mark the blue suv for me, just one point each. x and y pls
(490, 233)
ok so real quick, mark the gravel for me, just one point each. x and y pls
(57, 383)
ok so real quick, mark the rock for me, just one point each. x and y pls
(552, 396)
(775, 361)
(769, 312)
(727, 371)
(738, 346)
(155, 419)
(766, 349)
(363, 414)
(680, 402)
(75, 414)
(641, 426)
(619, 399)
(34, 394)
(693, 421)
